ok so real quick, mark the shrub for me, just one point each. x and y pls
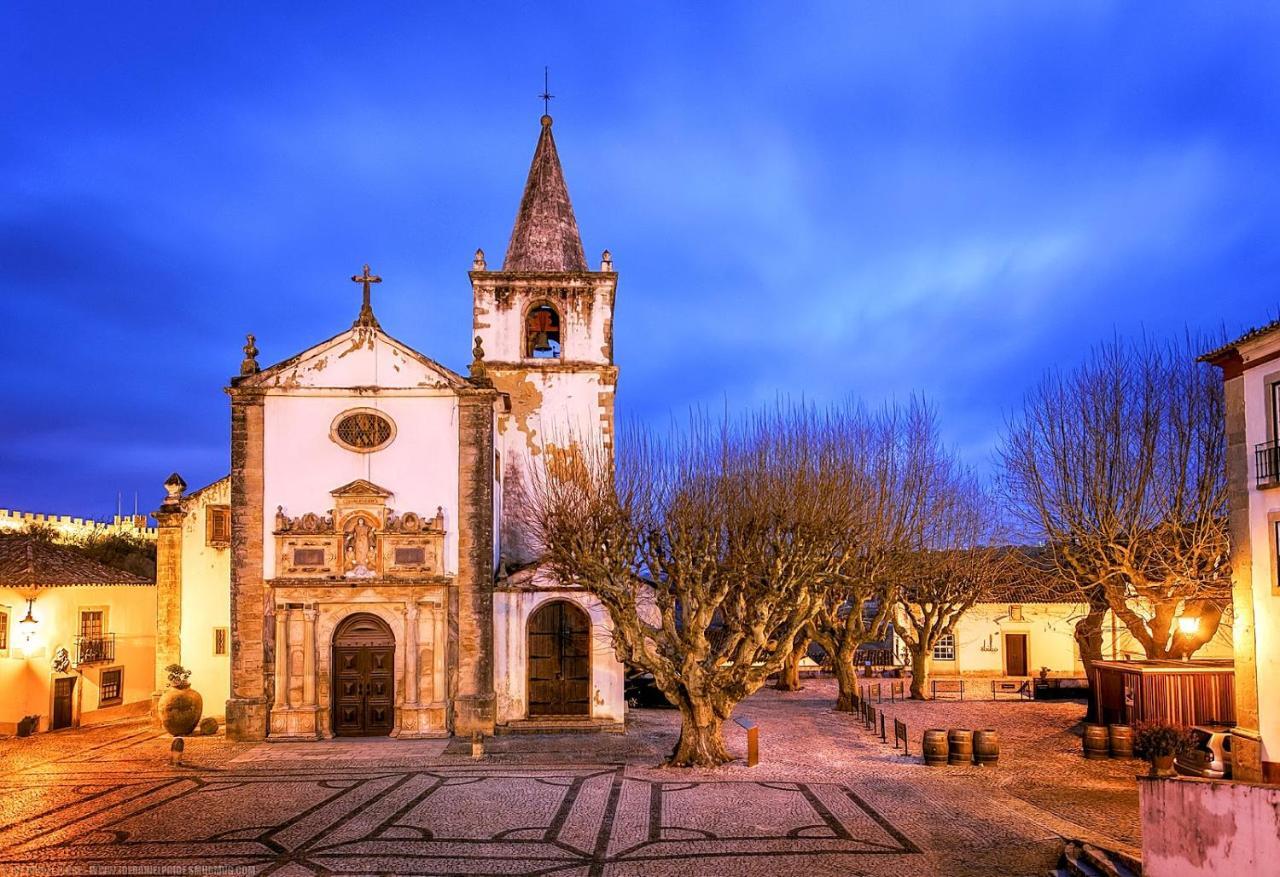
(178, 676)
(1152, 739)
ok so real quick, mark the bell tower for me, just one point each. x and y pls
(544, 325)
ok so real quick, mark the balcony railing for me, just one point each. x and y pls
(96, 649)
(1267, 458)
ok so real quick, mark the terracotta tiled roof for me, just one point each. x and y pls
(545, 237)
(1256, 332)
(29, 562)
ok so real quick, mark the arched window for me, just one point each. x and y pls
(542, 333)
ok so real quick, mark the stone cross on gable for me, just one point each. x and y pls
(366, 317)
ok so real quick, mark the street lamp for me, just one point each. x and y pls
(1188, 626)
(29, 619)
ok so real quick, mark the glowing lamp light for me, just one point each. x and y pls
(1188, 625)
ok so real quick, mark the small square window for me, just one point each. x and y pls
(1015, 613)
(111, 691)
(4, 630)
(217, 525)
(945, 650)
(221, 640)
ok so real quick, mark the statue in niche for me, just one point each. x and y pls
(359, 549)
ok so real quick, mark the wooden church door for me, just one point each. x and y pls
(363, 677)
(559, 661)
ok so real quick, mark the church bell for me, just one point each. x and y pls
(541, 343)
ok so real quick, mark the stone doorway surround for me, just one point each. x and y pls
(305, 620)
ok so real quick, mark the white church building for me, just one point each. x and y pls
(362, 570)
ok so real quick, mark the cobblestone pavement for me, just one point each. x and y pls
(827, 798)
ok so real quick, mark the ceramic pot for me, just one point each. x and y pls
(1162, 765)
(180, 710)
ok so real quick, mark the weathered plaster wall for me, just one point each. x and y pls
(206, 599)
(511, 611)
(303, 464)
(1201, 828)
(26, 673)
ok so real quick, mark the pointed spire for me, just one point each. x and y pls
(545, 237)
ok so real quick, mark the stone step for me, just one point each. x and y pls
(572, 725)
(1080, 859)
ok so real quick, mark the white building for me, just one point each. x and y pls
(1251, 372)
(77, 638)
(365, 560)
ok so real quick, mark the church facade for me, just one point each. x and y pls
(366, 568)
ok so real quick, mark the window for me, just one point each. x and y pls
(1015, 613)
(363, 430)
(542, 333)
(92, 623)
(4, 630)
(111, 691)
(217, 525)
(220, 641)
(945, 650)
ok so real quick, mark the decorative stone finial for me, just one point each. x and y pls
(249, 365)
(546, 121)
(478, 264)
(173, 485)
(606, 261)
(479, 371)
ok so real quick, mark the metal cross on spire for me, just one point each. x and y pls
(546, 95)
(366, 317)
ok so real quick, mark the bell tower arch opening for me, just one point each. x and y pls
(542, 332)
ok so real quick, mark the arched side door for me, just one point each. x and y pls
(364, 651)
(559, 661)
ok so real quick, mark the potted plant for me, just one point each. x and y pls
(1044, 673)
(180, 706)
(1159, 743)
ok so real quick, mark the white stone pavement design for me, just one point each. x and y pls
(553, 805)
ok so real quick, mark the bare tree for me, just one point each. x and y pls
(957, 566)
(899, 455)
(709, 548)
(1120, 467)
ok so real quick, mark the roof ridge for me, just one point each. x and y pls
(545, 237)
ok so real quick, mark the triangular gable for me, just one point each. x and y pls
(360, 487)
(362, 356)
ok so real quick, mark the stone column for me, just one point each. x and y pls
(282, 659)
(439, 650)
(309, 657)
(250, 598)
(411, 682)
(471, 666)
(170, 517)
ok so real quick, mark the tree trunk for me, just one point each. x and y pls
(921, 660)
(701, 742)
(1088, 636)
(846, 680)
(789, 675)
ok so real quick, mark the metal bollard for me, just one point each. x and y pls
(753, 741)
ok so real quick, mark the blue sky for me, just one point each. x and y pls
(802, 198)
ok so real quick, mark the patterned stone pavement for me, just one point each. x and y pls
(107, 802)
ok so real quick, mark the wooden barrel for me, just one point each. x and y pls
(1096, 741)
(1121, 740)
(959, 746)
(934, 747)
(986, 746)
